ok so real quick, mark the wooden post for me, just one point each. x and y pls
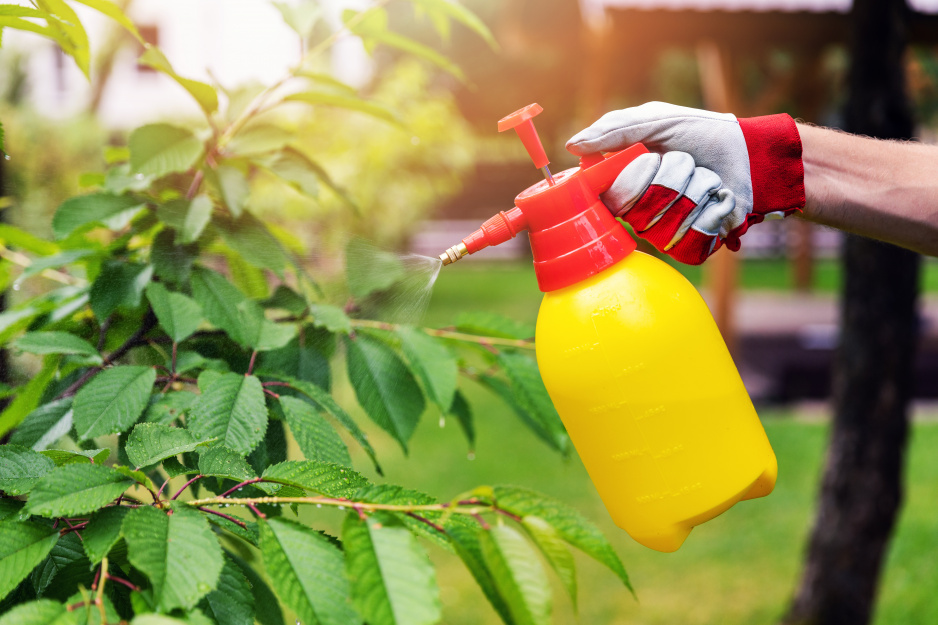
(721, 270)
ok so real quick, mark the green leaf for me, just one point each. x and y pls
(248, 278)
(259, 333)
(315, 436)
(493, 324)
(76, 489)
(396, 495)
(114, 12)
(44, 425)
(369, 269)
(306, 363)
(69, 32)
(41, 612)
(22, 547)
(248, 236)
(385, 388)
(204, 94)
(464, 537)
(21, 468)
(64, 569)
(219, 300)
(518, 574)
(178, 314)
(28, 396)
(501, 388)
(324, 400)
(160, 149)
(259, 138)
(325, 478)
(231, 603)
(555, 552)
(219, 461)
(95, 208)
(179, 554)
(300, 17)
(433, 364)
(569, 523)
(12, 508)
(150, 443)
(393, 582)
(331, 318)
(55, 343)
(307, 572)
(166, 408)
(172, 263)
(119, 285)
(234, 187)
(231, 408)
(459, 13)
(103, 531)
(197, 217)
(461, 410)
(12, 236)
(62, 457)
(531, 395)
(297, 169)
(112, 401)
(324, 98)
(267, 607)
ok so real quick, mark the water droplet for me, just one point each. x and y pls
(319, 505)
(139, 176)
(341, 507)
(241, 488)
(472, 455)
(442, 421)
(7, 157)
(16, 286)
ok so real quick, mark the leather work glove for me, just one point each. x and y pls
(709, 176)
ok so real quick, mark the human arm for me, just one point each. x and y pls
(885, 190)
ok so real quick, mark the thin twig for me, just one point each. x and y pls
(256, 511)
(224, 516)
(121, 580)
(240, 486)
(186, 485)
(427, 521)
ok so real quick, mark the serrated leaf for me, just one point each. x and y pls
(64, 569)
(62, 457)
(247, 533)
(259, 333)
(55, 343)
(76, 489)
(554, 551)
(273, 448)
(103, 531)
(115, 13)
(219, 300)
(112, 401)
(231, 408)
(260, 138)
(172, 263)
(461, 410)
(21, 468)
(160, 149)
(68, 32)
(178, 314)
(119, 285)
(307, 572)
(95, 208)
(433, 364)
(29, 395)
(315, 436)
(204, 94)
(220, 461)
(569, 523)
(331, 318)
(306, 363)
(503, 390)
(323, 399)
(325, 478)
(392, 580)
(249, 237)
(166, 408)
(22, 547)
(531, 395)
(518, 574)
(234, 187)
(493, 324)
(385, 387)
(11, 509)
(197, 217)
(349, 103)
(179, 554)
(464, 536)
(41, 612)
(231, 603)
(267, 606)
(295, 168)
(397, 495)
(150, 443)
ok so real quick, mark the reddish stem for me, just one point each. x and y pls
(121, 580)
(174, 358)
(224, 516)
(251, 364)
(186, 485)
(427, 521)
(242, 484)
(271, 394)
(513, 517)
(482, 522)
(94, 584)
(276, 384)
(256, 511)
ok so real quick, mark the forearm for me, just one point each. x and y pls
(886, 190)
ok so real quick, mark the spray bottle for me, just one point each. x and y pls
(631, 357)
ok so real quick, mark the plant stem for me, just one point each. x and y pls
(485, 341)
(186, 485)
(251, 364)
(332, 501)
(196, 183)
(427, 521)
(224, 516)
(241, 485)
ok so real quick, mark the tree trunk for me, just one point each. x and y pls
(861, 490)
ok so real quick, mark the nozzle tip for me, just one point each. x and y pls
(454, 253)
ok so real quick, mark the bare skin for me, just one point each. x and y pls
(886, 190)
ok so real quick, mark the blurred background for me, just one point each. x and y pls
(778, 301)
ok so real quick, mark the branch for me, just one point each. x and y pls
(485, 341)
(474, 509)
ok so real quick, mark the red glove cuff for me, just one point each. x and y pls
(775, 167)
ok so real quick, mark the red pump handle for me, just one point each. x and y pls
(521, 121)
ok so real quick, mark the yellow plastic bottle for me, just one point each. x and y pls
(631, 358)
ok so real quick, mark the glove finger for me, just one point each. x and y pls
(700, 240)
(631, 184)
(652, 123)
(667, 187)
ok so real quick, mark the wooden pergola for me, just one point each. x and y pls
(624, 39)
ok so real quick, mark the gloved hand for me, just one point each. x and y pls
(709, 177)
